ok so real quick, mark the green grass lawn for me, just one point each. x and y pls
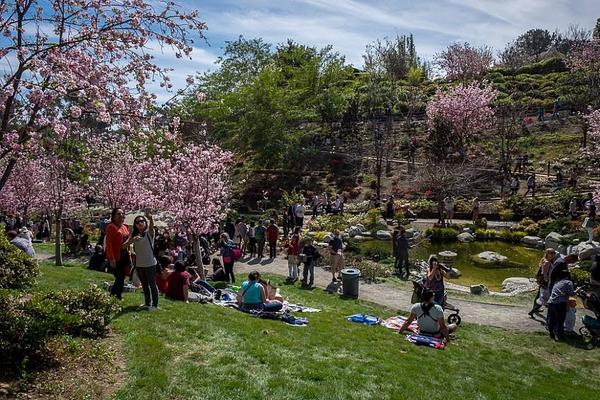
(194, 351)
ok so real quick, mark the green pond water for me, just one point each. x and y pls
(472, 274)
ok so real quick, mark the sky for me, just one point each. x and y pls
(350, 25)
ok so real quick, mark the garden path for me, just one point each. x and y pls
(498, 315)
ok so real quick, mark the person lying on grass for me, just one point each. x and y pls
(252, 296)
(430, 318)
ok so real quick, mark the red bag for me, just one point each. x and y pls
(226, 259)
(237, 253)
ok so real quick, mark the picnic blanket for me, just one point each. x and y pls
(301, 308)
(397, 322)
(421, 340)
(364, 319)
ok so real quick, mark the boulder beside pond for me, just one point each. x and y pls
(454, 273)
(383, 235)
(553, 239)
(465, 237)
(532, 240)
(490, 258)
(515, 285)
(479, 289)
(587, 251)
(354, 231)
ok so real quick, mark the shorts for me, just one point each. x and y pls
(337, 262)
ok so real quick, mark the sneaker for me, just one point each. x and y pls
(152, 308)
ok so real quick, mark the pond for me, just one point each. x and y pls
(471, 273)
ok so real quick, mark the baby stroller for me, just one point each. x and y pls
(418, 289)
(590, 331)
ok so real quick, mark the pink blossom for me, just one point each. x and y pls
(201, 97)
(75, 112)
(464, 62)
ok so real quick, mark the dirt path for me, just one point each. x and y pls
(504, 316)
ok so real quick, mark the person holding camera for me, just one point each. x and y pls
(435, 279)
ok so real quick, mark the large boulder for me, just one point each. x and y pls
(553, 239)
(360, 238)
(361, 227)
(516, 285)
(354, 231)
(465, 237)
(411, 233)
(490, 258)
(531, 240)
(328, 238)
(586, 250)
(454, 273)
(383, 235)
(479, 290)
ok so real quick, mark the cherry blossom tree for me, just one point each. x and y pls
(70, 60)
(456, 117)
(585, 56)
(191, 187)
(461, 61)
(24, 189)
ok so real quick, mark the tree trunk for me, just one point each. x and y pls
(7, 171)
(199, 255)
(57, 240)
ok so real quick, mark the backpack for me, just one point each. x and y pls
(236, 253)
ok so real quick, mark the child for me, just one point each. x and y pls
(557, 304)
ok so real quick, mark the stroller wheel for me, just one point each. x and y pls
(586, 335)
(454, 319)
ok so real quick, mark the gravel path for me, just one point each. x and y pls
(504, 316)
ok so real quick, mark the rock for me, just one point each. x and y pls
(553, 240)
(344, 236)
(361, 238)
(561, 249)
(411, 233)
(454, 273)
(354, 231)
(367, 233)
(383, 235)
(322, 244)
(479, 290)
(586, 251)
(328, 238)
(465, 237)
(531, 240)
(518, 285)
(491, 257)
(361, 227)
(467, 230)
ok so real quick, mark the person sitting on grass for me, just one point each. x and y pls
(162, 273)
(430, 318)
(178, 283)
(21, 243)
(252, 296)
(218, 274)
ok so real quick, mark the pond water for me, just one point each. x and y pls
(472, 274)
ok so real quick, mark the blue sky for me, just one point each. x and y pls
(350, 25)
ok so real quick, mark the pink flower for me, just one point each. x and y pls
(75, 112)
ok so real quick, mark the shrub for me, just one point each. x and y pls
(371, 271)
(579, 276)
(424, 205)
(373, 219)
(376, 250)
(17, 269)
(511, 236)
(320, 235)
(506, 214)
(485, 234)
(441, 234)
(481, 223)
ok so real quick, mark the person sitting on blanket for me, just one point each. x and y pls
(271, 291)
(252, 296)
(430, 318)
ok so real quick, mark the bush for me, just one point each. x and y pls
(485, 234)
(481, 223)
(511, 236)
(424, 205)
(441, 234)
(371, 271)
(27, 325)
(579, 276)
(373, 220)
(375, 250)
(17, 269)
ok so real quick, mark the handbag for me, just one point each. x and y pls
(227, 259)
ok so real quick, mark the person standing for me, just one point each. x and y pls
(401, 253)
(272, 236)
(435, 280)
(530, 185)
(251, 239)
(337, 257)
(142, 238)
(116, 252)
(226, 250)
(293, 250)
(557, 305)
(573, 209)
(315, 206)
(441, 212)
(389, 208)
(260, 234)
(324, 202)
(242, 230)
(514, 185)
(590, 220)
(542, 277)
(299, 212)
(311, 256)
(449, 205)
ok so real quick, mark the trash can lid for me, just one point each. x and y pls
(350, 271)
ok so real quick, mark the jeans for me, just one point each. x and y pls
(272, 248)
(438, 297)
(309, 267)
(228, 267)
(292, 266)
(261, 247)
(252, 246)
(402, 262)
(556, 319)
(119, 273)
(267, 307)
(147, 276)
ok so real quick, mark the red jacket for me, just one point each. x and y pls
(272, 233)
(115, 237)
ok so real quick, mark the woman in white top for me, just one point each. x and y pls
(142, 238)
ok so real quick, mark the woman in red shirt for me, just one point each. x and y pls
(117, 254)
(178, 283)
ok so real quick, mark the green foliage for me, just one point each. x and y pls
(289, 198)
(17, 269)
(371, 271)
(375, 249)
(373, 220)
(320, 235)
(26, 325)
(511, 236)
(441, 234)
(485, 234)
(424, 205)
(481, 223)
(552, 225)
(506, 214)
(579, 276)
(329, 223)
